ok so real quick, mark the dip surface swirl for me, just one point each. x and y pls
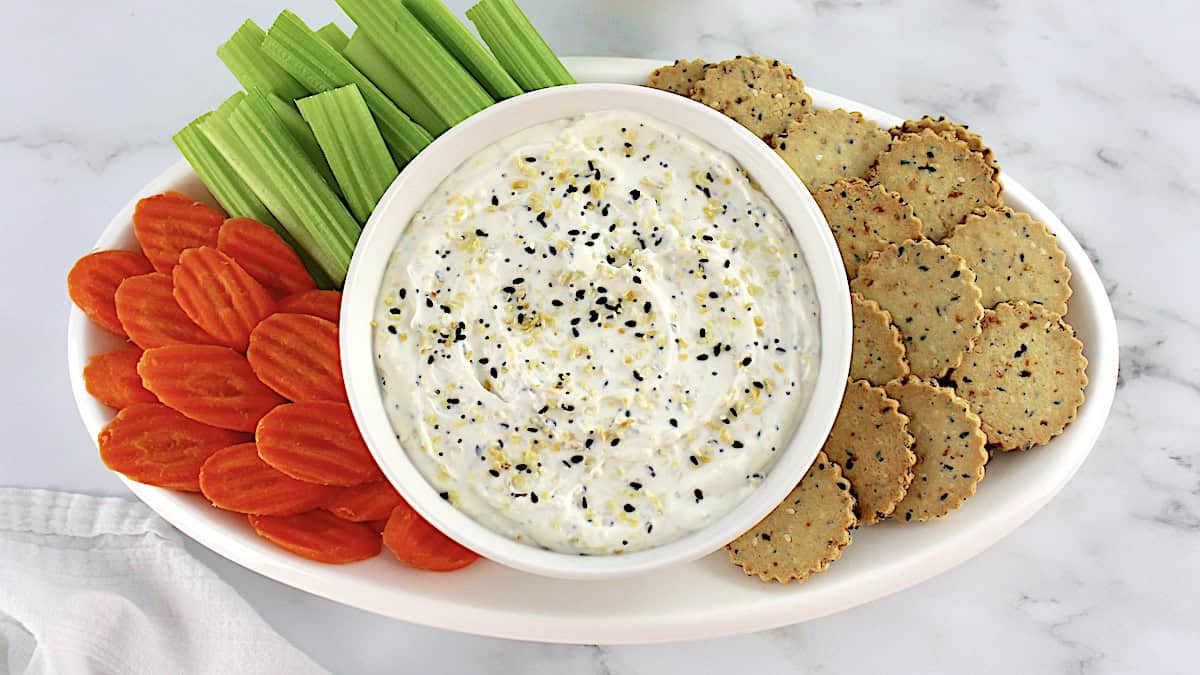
(597, 335)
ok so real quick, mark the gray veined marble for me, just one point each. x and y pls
(1093, 105)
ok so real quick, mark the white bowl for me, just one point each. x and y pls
(420, 178)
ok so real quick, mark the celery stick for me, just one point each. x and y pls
(454, 36)
(333, 36)
(518, 45)
(320, 68)
(343, 126)
(372, 63)
(244, 57)
(234, 195)
(304, 136)
(432, 71)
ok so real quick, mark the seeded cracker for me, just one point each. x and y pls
(940, 176)
(865, 218)
(1024, 377)
(760, 94)
(804, 533)
(949, 446)
(871, 444)
(944, 126)
(1014, 257)
(933, 299)
(878, 354)
(824, 145)
(679, 77)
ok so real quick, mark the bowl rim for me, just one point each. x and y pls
(427, 171)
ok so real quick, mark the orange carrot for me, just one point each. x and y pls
(153, 444)
(265, 255)
(297, 356)
(369, 501)
(170, 223)
(92, 284)
(316, 442)
(208, 383)
(324, 304)
(220, 296)
(236, 479)
(418, 544)
(320, 536)
(113, 379)
(151, 317)
(377, 525)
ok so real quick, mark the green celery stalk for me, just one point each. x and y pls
(295, 47)
(360, 52)
(433, 72)
(343, 126)
(244, 57)
(304, 136)
(518, 45)
(454, 36)
(333, 36)
(234, 195)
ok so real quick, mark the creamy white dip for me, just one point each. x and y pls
(597, 335)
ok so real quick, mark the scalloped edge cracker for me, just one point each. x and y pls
(932, 297)
(864, 219)
(825, 145)
(1014, 257)
(940, 176)
(1025, 377)
(679, 77)
(871, 443)
(762, 95)
(878, 353)
(950, 446)
(943, 126)
(805, 533)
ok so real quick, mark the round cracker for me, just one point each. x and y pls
(944, 126)
(949, 444)
(871, 444)
(865, 218)
(679, 77)
(932, 297)
(825, 145)
(1025, 375)
(878, 353)
(940, 176)
(760, 94)
(1014, 257)
(805, 533)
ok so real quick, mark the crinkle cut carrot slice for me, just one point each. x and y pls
(153, 444)
(418, 544)
(324, 304)
(369, 501)
(236, 479)
(92, 284)
(265, 256)
(170, 223)
(208, 383)
(297, 356)
(220, 296)
(318, 442)
(151, 317)
(319, 535)
(113, 379)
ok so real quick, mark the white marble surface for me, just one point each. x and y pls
(1093, 105)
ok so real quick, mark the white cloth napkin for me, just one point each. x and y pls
(102, 585)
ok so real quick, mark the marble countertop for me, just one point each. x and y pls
(1092, 105)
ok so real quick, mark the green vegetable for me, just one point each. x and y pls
(303, 135)
(518, 45)
(445, 86)
(434, 15)
(343, 126)
(295, 47)
(372, 63)
(333, 36)
(244, 57)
